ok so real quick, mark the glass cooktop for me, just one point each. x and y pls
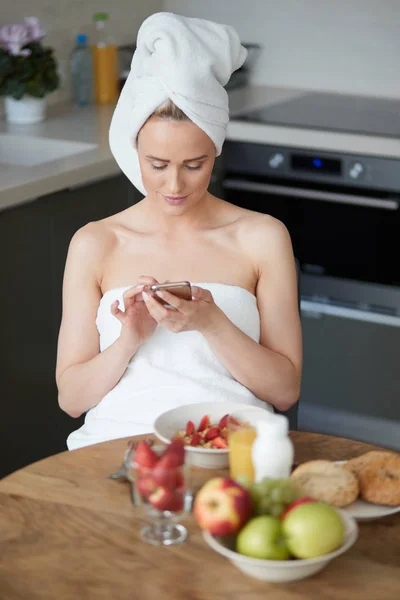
(335, 112)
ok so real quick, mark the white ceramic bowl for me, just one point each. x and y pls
(170, 422)
(281, 571)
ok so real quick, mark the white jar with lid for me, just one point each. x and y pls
(272, 451)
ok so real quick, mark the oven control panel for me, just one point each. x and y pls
(313, 166)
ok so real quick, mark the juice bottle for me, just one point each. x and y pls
(105, 63)
(240, 454)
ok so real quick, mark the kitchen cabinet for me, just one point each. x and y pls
(34, 240)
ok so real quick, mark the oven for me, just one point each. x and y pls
(343, 215)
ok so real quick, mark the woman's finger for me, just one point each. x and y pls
(199, 293)
(157, 310)
(172, 300)
(133, 291)
(115, 310)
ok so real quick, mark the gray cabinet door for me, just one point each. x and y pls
(34, 240)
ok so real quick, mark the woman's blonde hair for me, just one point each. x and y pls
(169, 110)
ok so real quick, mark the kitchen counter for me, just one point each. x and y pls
(90, 125)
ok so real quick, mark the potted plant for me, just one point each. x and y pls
(28, 71)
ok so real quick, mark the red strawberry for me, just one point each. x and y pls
(190, 428)
(204, 423)
(174, 456)
(212, 433)
(163, 499)
(196, 439)
(170, 478)
(219, 442)
(233, 421)
(145, 456)
(146, 485)
(223, 422)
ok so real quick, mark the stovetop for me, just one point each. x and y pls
(333, 112)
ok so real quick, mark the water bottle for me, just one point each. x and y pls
(81, 72)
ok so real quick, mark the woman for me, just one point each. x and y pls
(124, 357)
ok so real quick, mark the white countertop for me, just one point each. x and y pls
(20, 184)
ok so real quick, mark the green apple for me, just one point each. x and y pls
(262, 537)
(313, 529)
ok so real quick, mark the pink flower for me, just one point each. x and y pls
(35, 30)
(14, 37)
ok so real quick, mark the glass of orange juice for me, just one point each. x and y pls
(241, 436)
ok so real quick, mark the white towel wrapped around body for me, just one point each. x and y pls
(183, 59)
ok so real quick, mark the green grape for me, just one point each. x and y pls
(277, 509)
(277, 495)
(264, 506)
(288, 495)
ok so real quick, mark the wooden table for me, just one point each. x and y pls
(66, 531)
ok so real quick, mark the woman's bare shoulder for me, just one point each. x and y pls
(96, 238)
(257, 229)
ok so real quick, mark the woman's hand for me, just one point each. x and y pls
(137, 322)
(199, 314)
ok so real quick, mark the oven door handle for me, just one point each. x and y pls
(312, 309)
(282, 190)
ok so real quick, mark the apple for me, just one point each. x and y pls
(298, 502)
(313, 529)
(262, 537)
(222, 506)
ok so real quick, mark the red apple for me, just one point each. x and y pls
(222, 506)
(298, 502)
(163, 499)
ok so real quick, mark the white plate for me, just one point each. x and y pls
(366, 511)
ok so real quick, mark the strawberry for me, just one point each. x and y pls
(204, 423)
(190, 428)
(223, 422)
(196, 439)
(145, 456)
(174, 456)
(170, 478)
(219, 442)
(146, 485)
(233, 421)
(212, 433)
(163, 499)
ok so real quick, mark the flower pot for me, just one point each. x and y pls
(24, 111)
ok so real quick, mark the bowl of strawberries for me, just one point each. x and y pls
(204, 429)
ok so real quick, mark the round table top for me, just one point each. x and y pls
(68, 531)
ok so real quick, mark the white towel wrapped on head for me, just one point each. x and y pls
(183, 59)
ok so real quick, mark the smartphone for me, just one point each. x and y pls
(181, 289)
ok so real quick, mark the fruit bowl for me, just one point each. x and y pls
(281, 571)
(169, 423)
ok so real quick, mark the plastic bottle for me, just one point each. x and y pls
(81, 67)
(272, 451)
(105, 61)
